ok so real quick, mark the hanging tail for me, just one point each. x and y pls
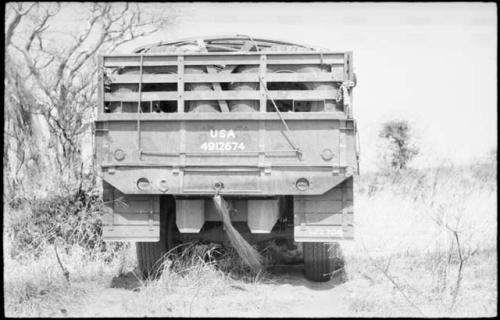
(247, 253)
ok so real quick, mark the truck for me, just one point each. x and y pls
(266, 124)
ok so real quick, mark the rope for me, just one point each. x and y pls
(289, 138)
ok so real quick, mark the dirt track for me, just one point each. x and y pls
(286, 294)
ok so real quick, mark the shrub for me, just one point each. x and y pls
(65, 220)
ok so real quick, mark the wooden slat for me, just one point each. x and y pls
(131, 219)
(263, 85)
(217, 87)
(224, 59)
(322, 206)
(319, 233)
(225, 77)
(217, 116)
(146, 78)
(313, 95)
(131, 233)
(180, 85)
(248, 53)
(335, 219)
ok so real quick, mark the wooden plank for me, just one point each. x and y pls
(269, 116)
(146, 78)
(263, 84)
(333, 195)
(131, 233)
(319, 233)
(180, 85)
(217, 87)
(312, 95)
(335, 219)
(248, 53)
(247, 46)
(225, 76)
(223, 59)
(322, 206)
(131, 218)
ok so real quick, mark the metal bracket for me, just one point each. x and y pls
(267, 168)
(175, 169)
(151, 214)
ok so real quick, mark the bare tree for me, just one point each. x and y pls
(51, 71)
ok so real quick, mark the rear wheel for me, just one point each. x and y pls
(150, 254)
(321, 260)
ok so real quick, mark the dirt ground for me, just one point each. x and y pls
(284, 292)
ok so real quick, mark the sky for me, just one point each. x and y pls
(433, 64)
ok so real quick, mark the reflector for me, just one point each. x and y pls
(142, 184)
(302, 184)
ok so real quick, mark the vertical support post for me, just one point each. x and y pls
(181, 109)
(262, 108)
(263, 83)
(139, 110)
(345, 76)
(342, 144)
(103, 143)
(351, 78)
(347, 208)
(337, 126)
(180, 84)
(112, 220)
(151, 214)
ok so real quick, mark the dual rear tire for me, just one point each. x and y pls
(322, 260)
(150, 258)
(150, 255)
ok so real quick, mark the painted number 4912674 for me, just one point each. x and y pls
(222, 146)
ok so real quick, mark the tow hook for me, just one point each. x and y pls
(218, 186)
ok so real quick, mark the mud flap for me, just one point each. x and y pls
(190, 215)
(327, 217)
(130, 217)
(262, 215)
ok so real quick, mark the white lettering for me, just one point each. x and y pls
(220, 145)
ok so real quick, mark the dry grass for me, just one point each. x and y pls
(407, 227)
(248, 254)
(401, 264)
(36, 287)
(417, 277)
(399, 214)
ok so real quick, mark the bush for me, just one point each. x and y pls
(65, 220)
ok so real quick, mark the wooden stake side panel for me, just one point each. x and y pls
(122, 70)
(239, 58)
(325, 218)
(130, 217)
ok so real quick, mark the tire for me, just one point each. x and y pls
(321, 260)
(150, 254)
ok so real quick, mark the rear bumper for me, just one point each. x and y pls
(236, 180)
